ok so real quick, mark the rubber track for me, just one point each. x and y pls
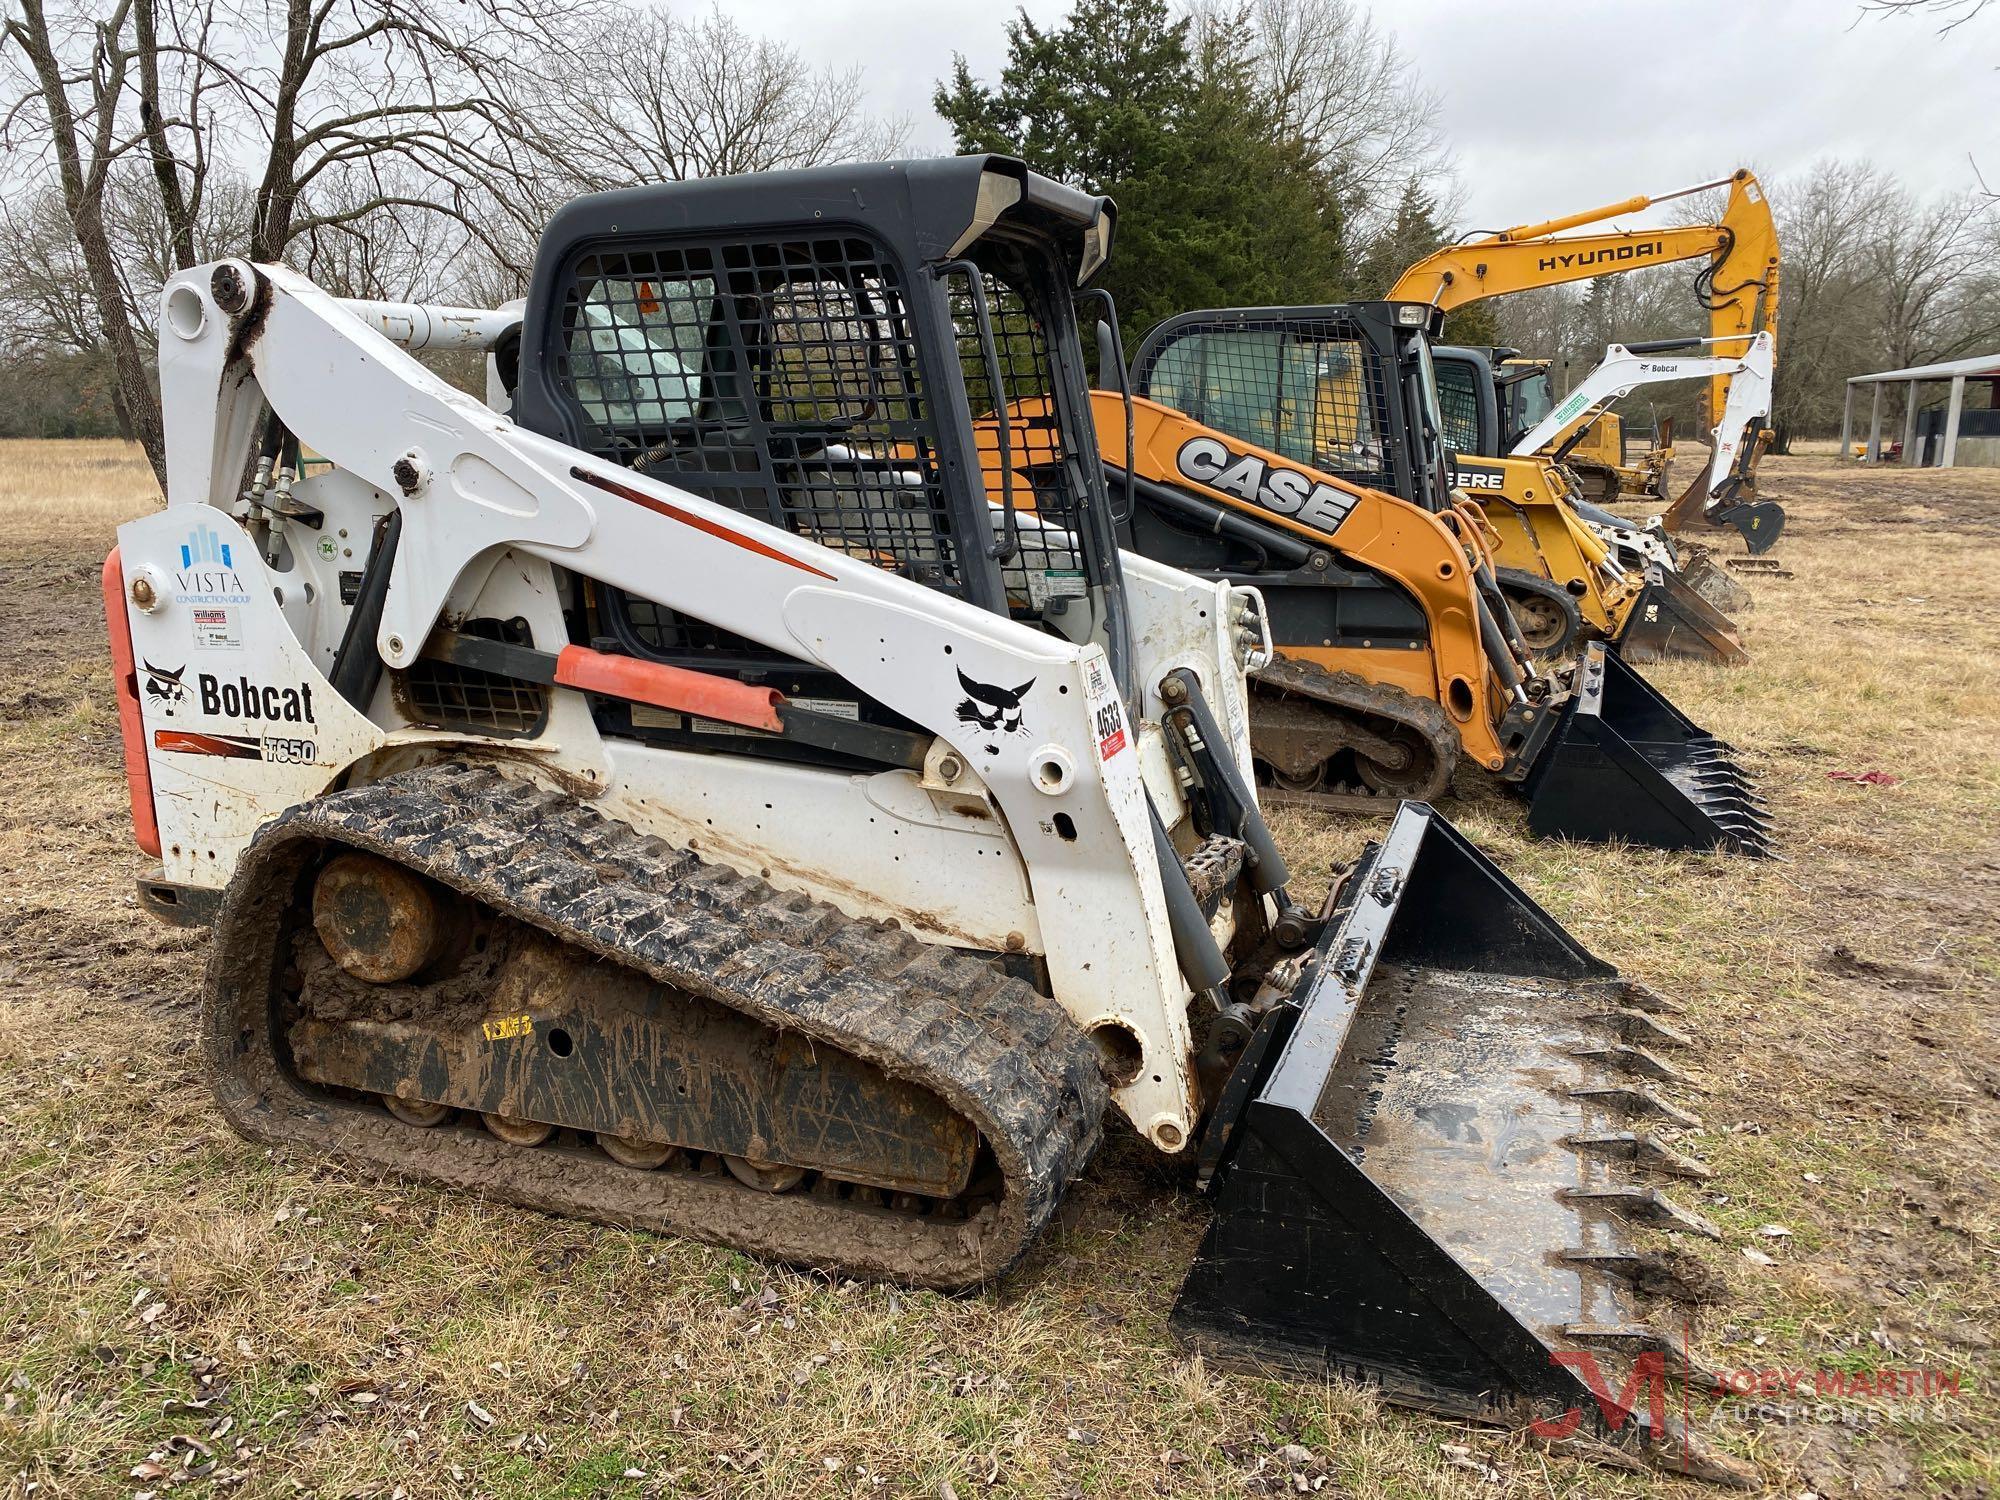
(1348, 694)
(1007, 1057)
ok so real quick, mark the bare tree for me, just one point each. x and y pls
(336, 115)
(1338, 83)
(651, 97)
(1930, 274)
(78, 72)
(1953, 13)
(1824, 219)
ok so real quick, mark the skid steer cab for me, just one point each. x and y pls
(679, 791)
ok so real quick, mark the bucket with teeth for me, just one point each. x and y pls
(1456, 1165)
(1627, 764)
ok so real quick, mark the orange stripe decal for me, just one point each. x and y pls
(191, 742)
(687, 518)
(653, 682)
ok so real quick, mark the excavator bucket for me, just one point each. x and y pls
(1671, 622)
(1626, 764)
(1441, 1167)
(1758, 522)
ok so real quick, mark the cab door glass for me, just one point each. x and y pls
(636, 351)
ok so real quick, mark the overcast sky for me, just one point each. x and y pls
(1628, 98)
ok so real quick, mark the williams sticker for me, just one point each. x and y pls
(215, 627)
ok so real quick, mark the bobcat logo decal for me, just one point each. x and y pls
(994, 709)
(164, 685)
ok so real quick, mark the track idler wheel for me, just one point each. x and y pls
(382, 922)
(640, 1156)
(1411, 773)
(765, 1177)
(518, 1132)
(418, 1112)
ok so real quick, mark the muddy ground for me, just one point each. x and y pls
(183, 1312)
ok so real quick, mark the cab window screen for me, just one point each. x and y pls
(1458, 401)
(636, 350)
(1048, 478)
(776, 374)
(1306, 391)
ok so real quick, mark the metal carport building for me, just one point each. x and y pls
(1957, 371)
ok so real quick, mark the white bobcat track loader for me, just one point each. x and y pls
(689, 801)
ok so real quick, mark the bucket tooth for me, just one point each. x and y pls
(1625, 764)
(1631, 993)
(1647, 1272)
(1638, 1103)
(1623, 1057)
(1641, 1149)
(1646, 1205)
(1640, 1028)
(1422, 1175)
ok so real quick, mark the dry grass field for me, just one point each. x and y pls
(182, 1313)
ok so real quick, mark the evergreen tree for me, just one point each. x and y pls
(1215, 208)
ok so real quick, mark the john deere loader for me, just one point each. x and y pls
(1497, 405)
(673, 795)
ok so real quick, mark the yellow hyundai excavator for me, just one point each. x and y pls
(1737, 286)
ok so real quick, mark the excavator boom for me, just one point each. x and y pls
(1738, 288)
(1741, 293)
